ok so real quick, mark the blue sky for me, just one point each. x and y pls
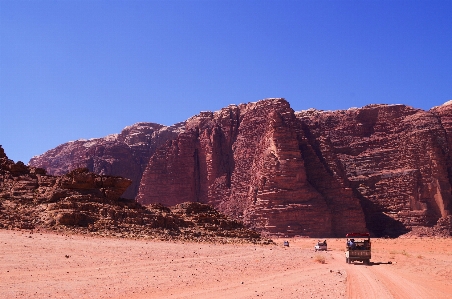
(86, 69)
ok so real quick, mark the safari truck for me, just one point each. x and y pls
(358, 248)
(321, 246)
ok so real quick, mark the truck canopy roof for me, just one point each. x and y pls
(357, 235)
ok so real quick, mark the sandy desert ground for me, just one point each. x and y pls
(47, 265)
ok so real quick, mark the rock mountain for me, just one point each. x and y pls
(125, 154)
(87, 203)
(382, 168)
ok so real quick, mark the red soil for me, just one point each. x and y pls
(46, 265)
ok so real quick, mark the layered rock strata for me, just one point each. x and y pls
(383, 168)
(125, 154)
(83, 202)
(394, 158)
(248, 160)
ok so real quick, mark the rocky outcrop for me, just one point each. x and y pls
(383, 168)
(83, 202)
(248, 160)
(23, 188)
(394, 158)
(29, 184)
(125, 154)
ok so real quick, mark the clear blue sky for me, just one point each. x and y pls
(86, 69)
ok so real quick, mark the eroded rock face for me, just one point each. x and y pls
(393, 157)
(19, 182)
(83, 202)
(23, 189)
(125, 154)
(249, 161)
(384, 168)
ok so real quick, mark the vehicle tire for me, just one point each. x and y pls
(347, 260)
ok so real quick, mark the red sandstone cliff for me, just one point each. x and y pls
(248, 160)
(318, 173)
(395, 159)
(125, 154)
(84, 202)
(384, 168)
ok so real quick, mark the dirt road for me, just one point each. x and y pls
(388, 277)
(43, 265)
(381, 280)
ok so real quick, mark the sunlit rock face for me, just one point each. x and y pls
(383, 168)
(254, 162)
(86, 203)
(22, 183)
(125, 154)
(386, 169)
(395, 158)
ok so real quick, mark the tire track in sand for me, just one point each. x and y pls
(382, 281)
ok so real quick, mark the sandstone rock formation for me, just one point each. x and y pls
(30, 186)
(394, 158)
(384, 168)
(83, 202)
(249, 161)
(125, 154)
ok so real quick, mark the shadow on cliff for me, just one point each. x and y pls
(378, 223)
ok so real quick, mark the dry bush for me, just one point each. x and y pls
(405, 253)
(320, 259)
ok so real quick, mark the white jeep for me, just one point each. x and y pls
(321, 246)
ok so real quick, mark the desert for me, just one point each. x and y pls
(384, 168)
(211, 219)
(225, 149)
(42, 264)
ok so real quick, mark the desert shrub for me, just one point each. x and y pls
(320, 259)
(405, 253)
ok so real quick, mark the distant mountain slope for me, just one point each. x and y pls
(125, 154)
